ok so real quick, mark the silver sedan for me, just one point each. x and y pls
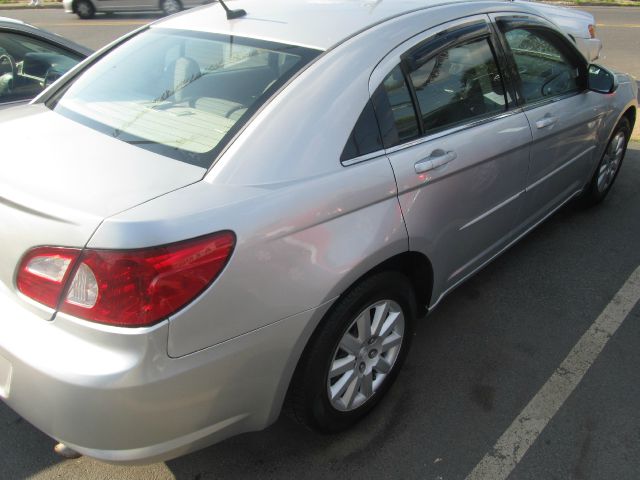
(231, 211)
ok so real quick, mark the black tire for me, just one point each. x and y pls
(596, 191)
(169, 7)
(308, 400)
(85, 9)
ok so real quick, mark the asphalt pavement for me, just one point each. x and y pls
(476, 363)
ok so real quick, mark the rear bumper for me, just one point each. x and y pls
(115, 395)
(68, 6)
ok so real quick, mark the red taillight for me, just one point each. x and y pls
(592, 31)
(43, 273)
(141, 287)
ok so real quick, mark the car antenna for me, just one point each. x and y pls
(231, 14)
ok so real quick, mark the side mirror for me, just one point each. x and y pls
(601, 80)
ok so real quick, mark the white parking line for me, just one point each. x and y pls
(523, 432)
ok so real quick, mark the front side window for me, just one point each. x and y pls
(181, 94)
(28, 65)
(545, 70)
(457, 85)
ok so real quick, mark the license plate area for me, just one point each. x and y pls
(5, 377)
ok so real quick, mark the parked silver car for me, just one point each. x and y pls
(221, 216)
(86, 9)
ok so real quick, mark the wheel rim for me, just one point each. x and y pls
(365, 355)
(84, 9)
(611, 161)
(171, 7)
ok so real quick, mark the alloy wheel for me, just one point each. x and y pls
(365, 355)
(611, 161)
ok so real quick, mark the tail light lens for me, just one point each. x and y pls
(132, 287)
(592, 31)
(43, 273)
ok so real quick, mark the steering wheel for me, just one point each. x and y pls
(545, 90)
(6, 59)
(6, 77)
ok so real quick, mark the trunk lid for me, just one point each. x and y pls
(59, 180)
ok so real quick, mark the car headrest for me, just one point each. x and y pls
(185, 70)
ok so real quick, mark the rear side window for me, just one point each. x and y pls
(439, 88)
(545, 68)
(395, 110)
(181, 94)
(457, 85)
(365, 137)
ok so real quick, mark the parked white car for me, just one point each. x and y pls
(579, 25)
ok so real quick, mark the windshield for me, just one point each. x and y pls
(177, 93)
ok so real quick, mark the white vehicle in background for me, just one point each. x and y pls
(578, 24)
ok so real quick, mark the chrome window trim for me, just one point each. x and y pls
(363, 158)
(449, 131)
(549, 100)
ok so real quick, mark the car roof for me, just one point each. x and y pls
(318, 24)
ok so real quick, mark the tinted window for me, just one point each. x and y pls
(28, 65)
(457, 85)
(180, 94)
(395, 110)
(365, 137)
(545, 70)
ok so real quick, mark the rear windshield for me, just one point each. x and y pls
(180, 94)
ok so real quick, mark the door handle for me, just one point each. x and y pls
(435, 160)
(547, 121)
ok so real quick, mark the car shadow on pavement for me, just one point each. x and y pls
(25, 450)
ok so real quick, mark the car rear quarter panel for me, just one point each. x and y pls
(298, 245)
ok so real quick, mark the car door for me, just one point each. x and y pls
(564, 116)
(458, 145)
(29, 64)
(125, 5)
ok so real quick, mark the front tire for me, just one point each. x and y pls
(356, 355)
(609, 165)
(85, 9)
(169, 7)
